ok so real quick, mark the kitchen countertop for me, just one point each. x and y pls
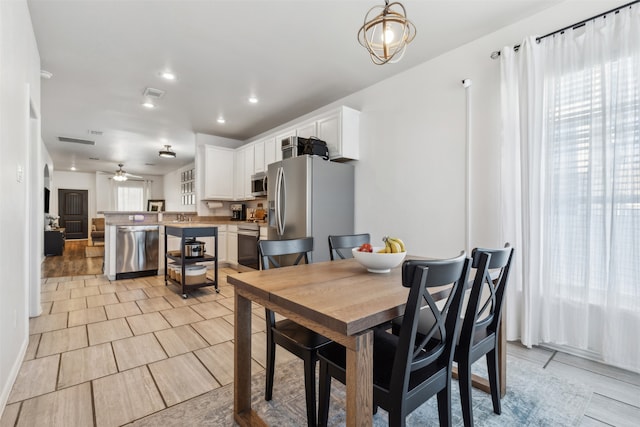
(183, 224)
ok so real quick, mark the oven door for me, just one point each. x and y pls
(248, 248)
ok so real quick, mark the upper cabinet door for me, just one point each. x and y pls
(271, 149)
(307, 130)
(249, 169)
(340, 129)
(238, 180)
(218, 184)
(259, 157)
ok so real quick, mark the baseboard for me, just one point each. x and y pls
(13, 374)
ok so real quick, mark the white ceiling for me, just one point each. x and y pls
(295, 56)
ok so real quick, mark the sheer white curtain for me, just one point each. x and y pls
(130, 195)
(571, 187)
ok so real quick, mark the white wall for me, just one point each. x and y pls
(20, 89)
(172, 191)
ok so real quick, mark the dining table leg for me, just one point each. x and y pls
(242, 412)
(359, 372)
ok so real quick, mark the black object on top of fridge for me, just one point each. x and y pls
(310, 197)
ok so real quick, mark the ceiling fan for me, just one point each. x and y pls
(122, 175)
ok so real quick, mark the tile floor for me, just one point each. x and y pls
(107, 353)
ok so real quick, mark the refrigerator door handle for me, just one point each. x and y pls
(277, 201)
(283, 196)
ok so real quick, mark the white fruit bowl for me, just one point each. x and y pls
(378, 263)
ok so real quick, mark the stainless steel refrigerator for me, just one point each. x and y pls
(310, 197)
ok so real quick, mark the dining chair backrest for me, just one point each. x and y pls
(484, 306)
(416, 351)
(270, 249)
(341, 245)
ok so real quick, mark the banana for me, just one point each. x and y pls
(387, 245)
(393, 245)
(399, 242)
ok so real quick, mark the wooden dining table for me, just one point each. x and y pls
(338, 299)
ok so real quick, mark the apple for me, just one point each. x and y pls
(365, 247)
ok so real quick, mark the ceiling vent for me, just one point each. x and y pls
(95, 132)
(76, 140)
(152, 93)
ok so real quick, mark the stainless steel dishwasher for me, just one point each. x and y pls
(136, 251)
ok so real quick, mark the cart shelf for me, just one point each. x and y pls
(186, 233)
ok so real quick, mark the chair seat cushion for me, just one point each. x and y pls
(299, 335)
(384, 352)
(97, 234)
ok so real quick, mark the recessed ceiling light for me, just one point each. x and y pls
(253, 100)
(148, 104)
(221, 120)
(168, 75)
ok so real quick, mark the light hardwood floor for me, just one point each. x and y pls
(107, 353)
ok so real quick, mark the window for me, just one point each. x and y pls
(593, 182)
(130, 196)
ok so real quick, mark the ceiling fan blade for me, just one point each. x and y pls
(129, 175)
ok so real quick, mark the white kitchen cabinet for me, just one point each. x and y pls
(307, 130)
(232, 244)
(272, 152)
(173, 243)
(341, 131)
(258, 157)
(248, 170)
(219, 162)
(222, 243)
(238, 177)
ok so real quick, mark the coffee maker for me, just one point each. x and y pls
(238, 212)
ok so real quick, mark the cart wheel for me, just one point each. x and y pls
(217, 291)
(184, 296)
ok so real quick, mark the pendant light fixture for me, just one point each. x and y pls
(387, 33)
(167, 152)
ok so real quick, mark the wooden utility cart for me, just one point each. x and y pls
(188, 232)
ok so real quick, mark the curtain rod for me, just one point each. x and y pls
(496, 53)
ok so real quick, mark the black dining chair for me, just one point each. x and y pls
(341, 245)
(295, 338)
(409, 369)
(479, 332)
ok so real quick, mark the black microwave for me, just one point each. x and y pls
(259, 184)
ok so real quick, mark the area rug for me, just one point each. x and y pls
(93, 251)
(534, 398)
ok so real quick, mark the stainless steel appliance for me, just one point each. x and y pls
(292, 146)
(310, 197)
(136, 251)
(193, 248)
(238, 212)
(259, 184)
(248, 235)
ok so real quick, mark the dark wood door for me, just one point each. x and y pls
(73, 211)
